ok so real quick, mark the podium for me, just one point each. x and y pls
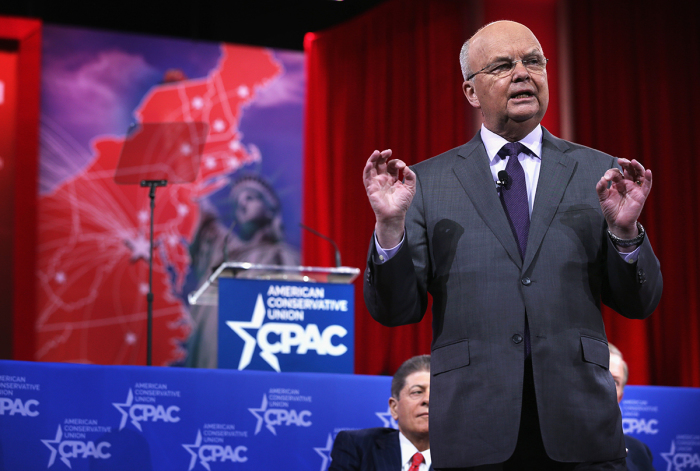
(282, 318)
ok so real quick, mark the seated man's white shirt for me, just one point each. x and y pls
(531, 166)
(408, 449)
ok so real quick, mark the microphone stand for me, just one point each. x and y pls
(152, 184)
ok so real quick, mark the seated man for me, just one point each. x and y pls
(639, 457)
(405, 449)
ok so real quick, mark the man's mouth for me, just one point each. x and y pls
(522, 95)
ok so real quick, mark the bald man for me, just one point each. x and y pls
(519, 237)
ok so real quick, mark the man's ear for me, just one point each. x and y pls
(470, 93)
(393, 405)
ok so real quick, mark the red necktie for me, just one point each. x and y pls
(416, 460)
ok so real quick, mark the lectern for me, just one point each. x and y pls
(282, 318)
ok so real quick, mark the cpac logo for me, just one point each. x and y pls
(289, 335)
(387, 419)
(640, 426)
(75, 449)
(325, 452)
(680, 461)
(145, 412)
(273, 417)
(214, 453)
(26, 409)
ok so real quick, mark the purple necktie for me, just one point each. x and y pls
(514, 194)
(514, 200)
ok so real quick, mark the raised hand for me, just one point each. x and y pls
(389, 196)
(623, 200)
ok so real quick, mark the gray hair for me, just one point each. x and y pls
(464, 52)
(464, 59)
(616, 351)
(410, 366)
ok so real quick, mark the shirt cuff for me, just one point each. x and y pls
(631, 257)
(386, 254)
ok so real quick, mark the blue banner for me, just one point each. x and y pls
(668, 421)
(284, 326)
(79, 417)
(60, 416)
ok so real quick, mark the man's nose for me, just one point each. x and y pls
(520, 72)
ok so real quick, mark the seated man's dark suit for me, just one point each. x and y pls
(639, 457)
(459, 247)
(370, 449)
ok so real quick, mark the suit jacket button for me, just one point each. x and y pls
(526, 281)
(641, 277)
(517, 338)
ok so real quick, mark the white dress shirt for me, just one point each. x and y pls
(531, 166)
(530, 163)
(408, 449)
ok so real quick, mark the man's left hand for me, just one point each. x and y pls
(622, 195)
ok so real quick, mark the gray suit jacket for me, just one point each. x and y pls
(459, 248)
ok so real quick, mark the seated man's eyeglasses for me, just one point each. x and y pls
(504, 67)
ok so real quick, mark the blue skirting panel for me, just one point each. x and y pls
(85, 417)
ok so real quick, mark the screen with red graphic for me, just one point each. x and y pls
(94, 234)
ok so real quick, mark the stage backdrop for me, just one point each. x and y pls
(92, 267)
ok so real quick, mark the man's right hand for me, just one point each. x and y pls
(389, 196)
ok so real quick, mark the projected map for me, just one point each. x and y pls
(94, 234)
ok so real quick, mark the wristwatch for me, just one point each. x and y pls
(628, 242)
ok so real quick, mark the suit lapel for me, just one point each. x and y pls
(555, 173)
(387, 452)
(474, 174)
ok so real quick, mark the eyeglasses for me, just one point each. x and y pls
(503, 68)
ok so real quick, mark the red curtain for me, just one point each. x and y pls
(19, 165)
(387, 79)
(636, 70)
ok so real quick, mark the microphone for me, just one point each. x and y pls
(337, 252)
(503, 179)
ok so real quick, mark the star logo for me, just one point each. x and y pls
(125, 413)
(677, 461)
(140, 248)
(325, 452)
(190, 449)
(249, 348)
(669, 456)
(259, 413)
(55, 441)
(387, 419)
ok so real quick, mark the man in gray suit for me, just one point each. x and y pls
(518, 236)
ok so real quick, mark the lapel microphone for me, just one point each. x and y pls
(503, 180)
